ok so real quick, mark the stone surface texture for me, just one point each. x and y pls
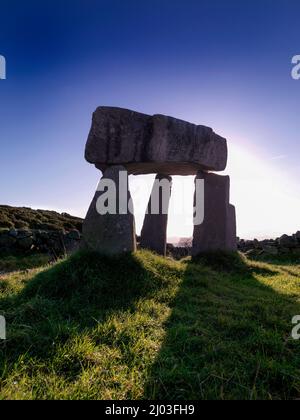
(154, 231)
(109, 234)
(218, 231)
(147, 144)
(53, 243)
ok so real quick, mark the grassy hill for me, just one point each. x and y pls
(26, 218)
(142, 326)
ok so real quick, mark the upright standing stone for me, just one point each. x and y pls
(231, 239)
(218, 230)
(154, 232)
(111, 233)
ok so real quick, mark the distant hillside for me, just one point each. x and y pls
(26, 218)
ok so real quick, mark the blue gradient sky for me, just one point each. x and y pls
(225, 64)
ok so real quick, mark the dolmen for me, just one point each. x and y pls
(122, 143)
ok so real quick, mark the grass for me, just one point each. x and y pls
(144, 327)
(9, 263)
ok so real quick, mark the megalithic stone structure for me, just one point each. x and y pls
(218, 230)
(111, 231)
(124, 140)
(154, 231)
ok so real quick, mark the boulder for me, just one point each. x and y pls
(283, 251)
(146, 144)
(297, 236)
(73, 235)
(72, 241)
(256, 244)
(253, 253)
(13, 233)
(270, 250)
(287, 241)
(7, 241)
(25, 243)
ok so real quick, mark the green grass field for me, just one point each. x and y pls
(10, 263)
(144, 327)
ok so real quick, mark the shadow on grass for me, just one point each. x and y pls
(21, 261)
(70, 298)
(228, 337)
(283, 260)
(231, 263)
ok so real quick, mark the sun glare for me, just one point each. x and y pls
(266, 200)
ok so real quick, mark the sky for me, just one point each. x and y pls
(221, 63)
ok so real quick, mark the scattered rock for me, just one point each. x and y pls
(55, 243)
(13, 233)
(288, 241)
(6, 240)
(73, 235)
(25, 243)
(286, 244)
(253, 253)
